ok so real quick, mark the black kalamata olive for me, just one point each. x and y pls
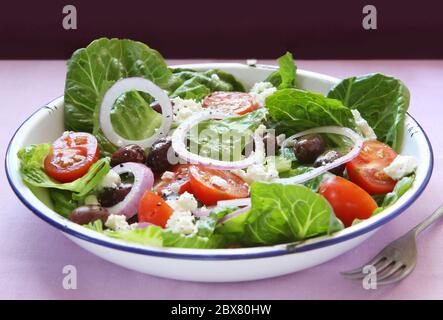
(309, 147)
(129, 153)
(156, 107)
(86, 214)
(157, 158)
(109, 197)
(329, 157)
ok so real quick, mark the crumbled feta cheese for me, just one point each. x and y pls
(280, 138)
(215, 77)
(251, 62)
(91, 200)
(261, 90)
(219, 182)
(110, 180)
(182, 222)
(186, 202)
(117, 222)
(167, 175)
(175, 187)
(184, 108)
(401, 166)
(260, 172)
(363, 126)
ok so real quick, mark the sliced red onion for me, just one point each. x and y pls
(143, 180)
(202, 212)
(234, 214)
(355, 138)
(142, 225)
(179, 136)
(134, 84)
(234, 203)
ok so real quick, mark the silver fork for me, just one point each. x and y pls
(397, 260)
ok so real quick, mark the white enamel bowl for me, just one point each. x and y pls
(220, 265)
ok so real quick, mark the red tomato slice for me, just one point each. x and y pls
(71, 156)
(181, 176)
(366, 169)
(153, 209)
(226, 101)
(209, 193)
(348, 200)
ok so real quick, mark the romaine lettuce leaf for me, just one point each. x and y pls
(190, 84)
(294, 110)
(212, 138)
(287, 213)
(93, 69)
(62, 201)
(32, 171)
(381, 100)
(284, 77)
(403, 185)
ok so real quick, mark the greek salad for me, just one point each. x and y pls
(174, 157)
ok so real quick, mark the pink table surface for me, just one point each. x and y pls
(32, 254)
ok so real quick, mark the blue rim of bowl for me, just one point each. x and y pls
(281, 250)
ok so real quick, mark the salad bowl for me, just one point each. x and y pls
(213, 265)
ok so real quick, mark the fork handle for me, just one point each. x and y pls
(428, 221)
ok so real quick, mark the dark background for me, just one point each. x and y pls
(310, 29)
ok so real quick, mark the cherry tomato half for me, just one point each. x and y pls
(348, 200)
(181, 176)
(153, 209)
(205, 188)
(366, 169)
(71, 156)
(226, 101)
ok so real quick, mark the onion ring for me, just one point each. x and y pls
(134, 84)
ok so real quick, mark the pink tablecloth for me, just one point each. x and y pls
(32, 254)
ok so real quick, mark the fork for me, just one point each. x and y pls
(397, 260)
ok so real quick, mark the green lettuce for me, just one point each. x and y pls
(284, 77)
(381, 100)
(294, 110)
(33, 172)
(93, 69)
(63, 202)
(287, 213)
(403, 185)
(190, 84)
(226, 138)
(204, 238)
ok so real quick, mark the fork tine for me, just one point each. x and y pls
(383, 265)
(358, 272)
(389, 271)
(397, 276)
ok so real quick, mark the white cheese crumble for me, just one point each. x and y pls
(280, 138)
(182, 222)
(258, 172)
(401, 166)
(186, 202)
(117, 222)
(363, 126)
(261, 90)
(175, 187)
(215, 77)
(184, 108)
(110, 180)
(167, 175)
(219, 182)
